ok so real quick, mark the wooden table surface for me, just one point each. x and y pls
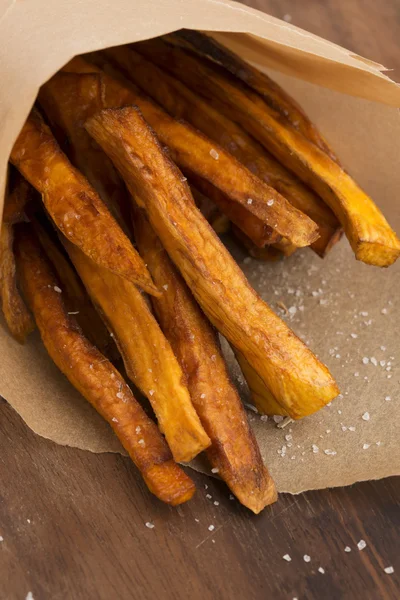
(72, 524)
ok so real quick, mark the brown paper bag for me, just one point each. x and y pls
(346, 310)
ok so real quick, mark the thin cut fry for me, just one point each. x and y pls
(178, 100)
(96, 378)
(198, 155)
(234, 451)
(73, 204)
(272, 93)
(149, 360)
(372, 239)
(16, 314)
(298, 380)
(74, 294)
(68, 99)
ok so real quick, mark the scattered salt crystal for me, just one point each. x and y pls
(249, 200)
(211, 528)
(362, 544)
(202, 395)
(347, 549)
(165, 286)
(292, 310)
(306, 558)
(114, 419)
(363, 313)
(384, 311)
(1, 538)
(365, 416)
(378, 443)
(354, 335)
(374, 361)
(329, 452)
(120, 395)
(339, 412)
(321, 570)
(288, 437)
(150, 525)
(215, 470)
(352, 428)
(151, 392)
(216, 503)
(277, 418)
(366, 446)
(197, 520)
(29, 596)
(214, 154)
(264, 418)
(75, 312)
(389, 570)
(356, 374)
(365, 360)
(387, 398)
(344, 428)
(208, 496)
(270, 202)
(383, 348)
(213, 357)
(287, 557)
(141, 443)
(315, 449)
(382, 363)
(322, 301)
(138, 429)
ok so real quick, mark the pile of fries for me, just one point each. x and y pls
(132, 162)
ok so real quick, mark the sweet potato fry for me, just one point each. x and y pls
(370, 236)
(178, 100)
(298, 380)
(234, 451)
(18, 195)
(95, 377)
(75, 296)
(68, 99)
(271, 92)
(196, 154)
(73, 204)
(149, 360)
(17, 316)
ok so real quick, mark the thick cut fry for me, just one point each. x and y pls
(234, 451)
(371, 238)
(272, 93)
(73, 204)
(178, 100)
(68, 99)
(16, 314)
(96, 378)
(74, 294)
(298, 380)
(149, 360)
(198, 155)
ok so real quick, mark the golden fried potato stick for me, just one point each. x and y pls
(68, 99)
(74, 294)
(178, 100)
(95, 377)
(234, 451)
(148, 357)
(272, 93)
(370, 236)
(196, 154)
(298, 380)
(16, 314)
(73, 204)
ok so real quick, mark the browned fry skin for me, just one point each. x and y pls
(298, 380)
(148, 357)
(68, 99)
(74, 294)
(253, 227)
(198, 155)
(372, 239)
(73, 204)
(234, 451)
(182, 103)
(272, 93)
(95, 377)
(17, 316)
(18, 195)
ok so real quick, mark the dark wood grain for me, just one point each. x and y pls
(73, 523)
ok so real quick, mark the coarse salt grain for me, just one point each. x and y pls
(354, 335)
(215, 470)
(374, 361)
(366, 446)
(321, 570)
(57, 289)
(208, 496)
(141, 443)
(365, 360)
(249, 200)
(202, 395)
(29, 596)
(306, 558)
(287, 557)
(362, 544)
(150, 525)
(365, 416)
(114, 419)
(277, 418)
(387, 398)
(384, 311)
(347, 549)
(270, 202)
(138, 429)
(151, 392)
(389, 570)
(329, 452)
(165, 287)
(211, 528)
(214, 154)
(1, 538)
(120, 395)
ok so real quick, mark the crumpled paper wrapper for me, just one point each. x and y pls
(346, 311)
